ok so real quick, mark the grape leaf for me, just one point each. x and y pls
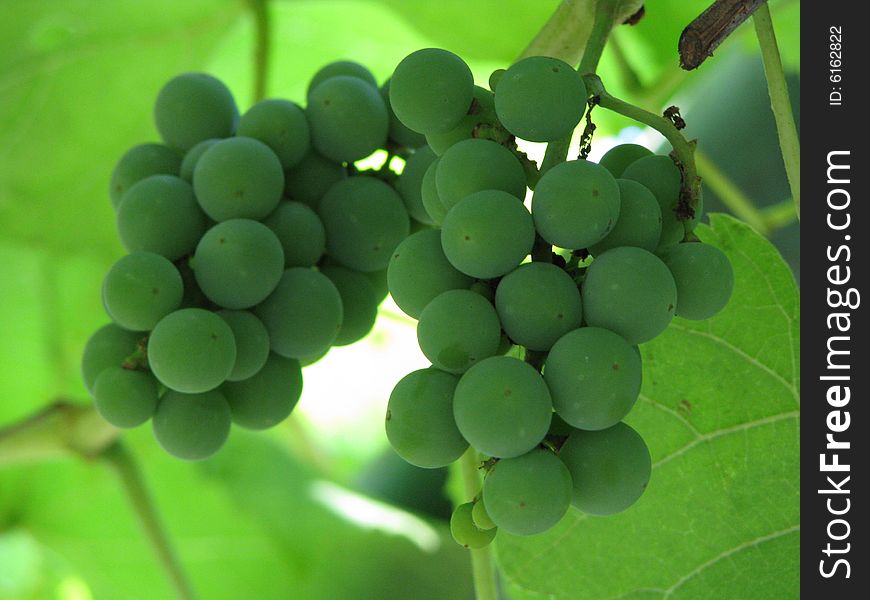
(719, 410)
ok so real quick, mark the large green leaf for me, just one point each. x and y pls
(719, 410)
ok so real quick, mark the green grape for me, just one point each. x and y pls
(268, 397)
(341, 68)
(419, 272)
(138, 163)
(160, 214)
(399, 132)
(238, 178)
(310, 360)
(140, 289)
(300, 232)
(378, 279)
(419, 421)
(431, 90)
(410, 184)
(619, 157)
(662, 177)
(481, 114)
(502, 407)
(540, 99)
(594, 376)
(303, 315)
(610, 468)
(488, 234)
(484, 288)
(109, 346)
(475, 165)
(495, 77)
(365, 220)
(630, 292)
(193, 296)
(125, 398)
(703, 276)
(538, 303)
(281, 125)
(238, 263)
(576, 204)
(252, 343)
(465, 532)
(309, 181)
(358, 300)
(528, 494)
(348, 119)
(429, 195)
(191, 158)
(639, 223)
(480, 517)
(457, 329)
(193, 107)
(192, 426)
(192, 350)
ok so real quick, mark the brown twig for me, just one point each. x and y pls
(705, 33)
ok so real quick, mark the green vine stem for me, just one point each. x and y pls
(124, 465)
(262, 46)
(482, 560)
(779, 102)
(731, 195)
(779, 215)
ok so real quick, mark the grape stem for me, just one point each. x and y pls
(482, 562)
(262, 46)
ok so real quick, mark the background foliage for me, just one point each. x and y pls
(289, 514)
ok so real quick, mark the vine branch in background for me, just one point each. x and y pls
(262, 46)
(482, 563)
(705, 33)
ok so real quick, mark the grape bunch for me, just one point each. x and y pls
(254, 244)
(535, 363)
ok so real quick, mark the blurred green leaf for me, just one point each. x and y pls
(719, 410)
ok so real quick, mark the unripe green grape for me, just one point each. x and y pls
(193, 107)
(619, 157)
(192, 350)
(160, 214)
(480, 517)
(502, 407)
(303, 315)
(281, 125)
(140, 289)
(238, 263)
(252, 343)
(268, 397)
(306, 361)
(348, 119)
(704, 278)
(341, 68)
(431, 90)
(109, 346)
(639, 223)
(610, 469)
(528, 494)
(365, 220)
(487, 234)
(662, 177)
(358, 300)
(457, 329)
(399, 132)
(594, 376)
(191, 158)
(125, 398)
(538, 303)
(495, 77)
(192, 426)
(475, 165)
(193, 296)
(481, 112)
(465, 532)
(378, 279)
(540, 99)
(419, 422)
(410, 183)
(419, 271)
(576, 204)
(630, 292)
(300, 232)
(140, 162)
(429, 195)
(309, 181)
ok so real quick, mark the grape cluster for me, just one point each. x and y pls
(534, 363)
(254, 246)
